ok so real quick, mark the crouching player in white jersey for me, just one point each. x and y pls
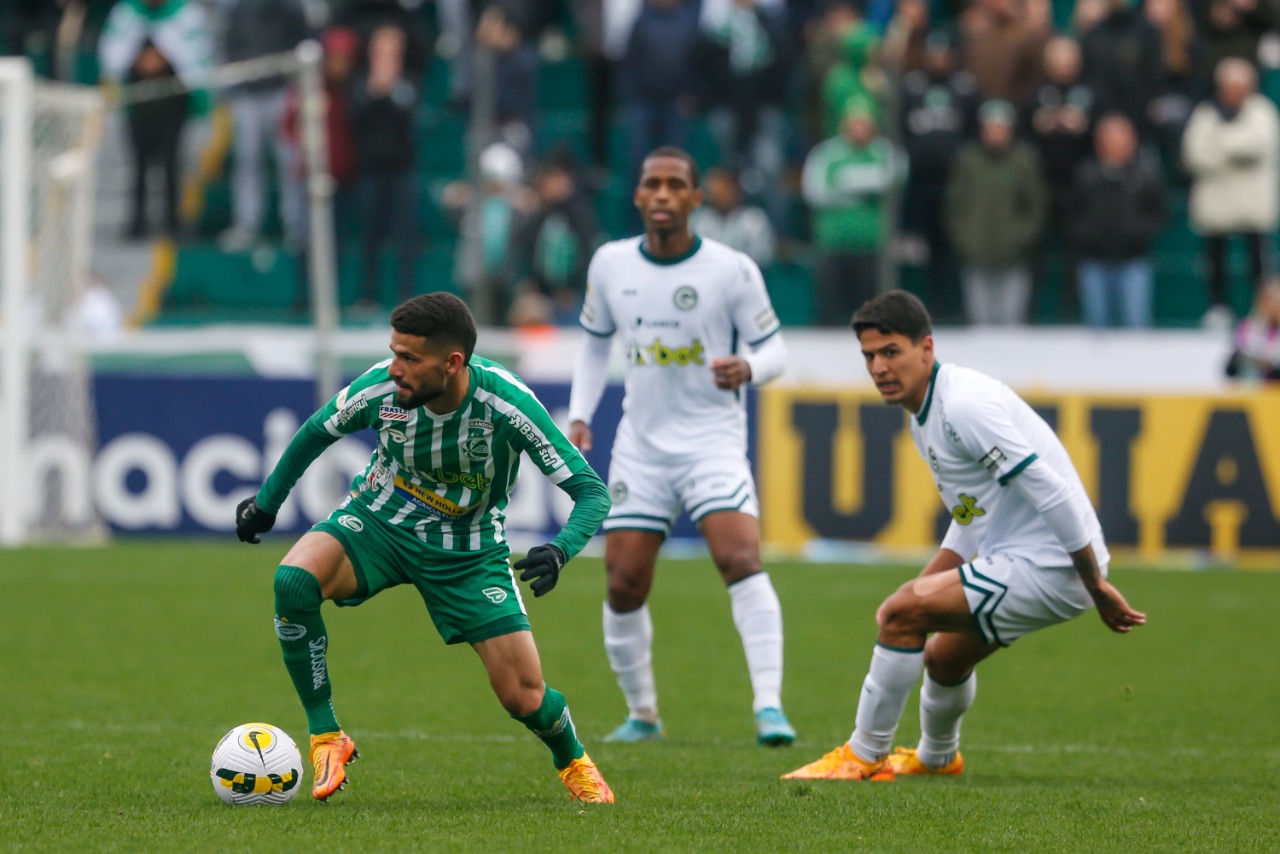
(428, 510)
(1024, 549)
(697, 325)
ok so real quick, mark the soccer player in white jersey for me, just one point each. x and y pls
(697, 325)
(452, 428)
(1024, 549)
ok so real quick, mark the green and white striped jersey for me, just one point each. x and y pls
(446, 477)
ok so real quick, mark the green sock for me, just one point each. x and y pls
(554, 725)
(305, 644)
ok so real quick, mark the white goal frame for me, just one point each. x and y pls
(68, 184)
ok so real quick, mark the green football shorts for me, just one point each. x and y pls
(471, 596)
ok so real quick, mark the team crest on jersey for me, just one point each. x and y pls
(618, 492)
(392, 413)
(476, 448)
(991, 462)
(685, 297)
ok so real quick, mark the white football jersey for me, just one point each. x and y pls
(674, 317)
(977, 435)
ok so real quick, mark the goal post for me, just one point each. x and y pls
(49, 134)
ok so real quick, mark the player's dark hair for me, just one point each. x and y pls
(679, 154)
(894, 313)
(439, 317)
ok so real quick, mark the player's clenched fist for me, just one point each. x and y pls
(252, 520)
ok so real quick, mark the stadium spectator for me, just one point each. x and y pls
(1024, 550)
(856, 76)
(697, 326)
(255, 29)
(384, 104)
(503, 200)
(1181, 82)
(447, 540)
(159, 41)
(1001, 46)
(368, 16)
(824, 38)
(939, 117)
(996, 205)
(555, 238)
(904, 39)
(1234, 29)
(1231, 147)
(726, 217)
(845, 182)
(657, 81)
(1119, 208)
(745, 64)
(1059, 120)
(1122, 62)
(515, 75)
(1256, 352)
(341, 49)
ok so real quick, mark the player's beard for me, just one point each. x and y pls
(420, 395)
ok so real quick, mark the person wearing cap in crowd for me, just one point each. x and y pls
(995, 209)
(845, 181)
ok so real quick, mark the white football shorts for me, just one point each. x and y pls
(649, 495)
(1010, 597)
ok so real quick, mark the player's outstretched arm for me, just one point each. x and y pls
(591, 504)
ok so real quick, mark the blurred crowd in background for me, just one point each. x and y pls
(977, 145)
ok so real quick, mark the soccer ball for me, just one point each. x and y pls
(256, 764)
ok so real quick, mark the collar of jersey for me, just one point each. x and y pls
(466, 400)
(928, 398)
(667, 262)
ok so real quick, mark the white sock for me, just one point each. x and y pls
(892, 675)
(758, 615)
(628, 640)
(941, 708)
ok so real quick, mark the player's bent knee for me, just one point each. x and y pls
(296, 589)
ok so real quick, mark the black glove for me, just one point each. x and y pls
(251, 520)
(541, 567)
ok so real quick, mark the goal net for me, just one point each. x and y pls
(49, 134)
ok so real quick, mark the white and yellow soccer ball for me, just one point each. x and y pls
(256, 764)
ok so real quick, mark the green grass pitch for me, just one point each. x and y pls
(121, 667)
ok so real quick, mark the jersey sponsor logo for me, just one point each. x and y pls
(662, 355)
(766, 319)
(619, 492)
(392, 413)
(351, 523)
(347, 412)
(685, 298)
(967, 510)
(655, 324)
(375, 479)
(992, 459)
(287, 631)
(438, 505)
(536, 446)
(480, 424)
(496, 594)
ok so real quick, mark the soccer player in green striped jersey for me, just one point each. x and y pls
(428, 511)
